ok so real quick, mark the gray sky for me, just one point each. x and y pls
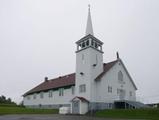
(37, 39)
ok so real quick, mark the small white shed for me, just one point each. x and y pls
(79, 105)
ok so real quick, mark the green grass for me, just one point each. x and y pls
(7, 105)
(22, 110)
(151, 114)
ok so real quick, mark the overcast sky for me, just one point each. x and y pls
(37, 39)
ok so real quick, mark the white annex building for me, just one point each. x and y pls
(95, 85)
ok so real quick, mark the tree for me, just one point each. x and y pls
(6, 101)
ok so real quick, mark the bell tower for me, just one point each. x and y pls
(89, 62)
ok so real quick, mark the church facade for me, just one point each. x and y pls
(94, 85)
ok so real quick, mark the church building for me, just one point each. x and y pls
(95, 85)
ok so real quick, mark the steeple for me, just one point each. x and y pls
(89, 41)
(89, 28)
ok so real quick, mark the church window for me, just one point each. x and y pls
(82, 88)
(120, 76)
(34, 96)
(50, 93)
(83, 44)
(130, 93)
(109, 89)
(73, 90)
(61, 91)
(41, 95)
(87, 43)
(28, 97)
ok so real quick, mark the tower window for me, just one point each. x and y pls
(82, 88)
(73, 90)
(109, 89)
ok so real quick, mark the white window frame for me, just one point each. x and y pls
(34, 96)
(120, 77)
(41, 95)
(73, 90)
(50, 93)
(82, 88)
(61, 91)
(28, 97)
(110, 89)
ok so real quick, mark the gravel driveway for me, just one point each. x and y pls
(51, 117)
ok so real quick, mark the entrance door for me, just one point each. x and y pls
(122, 94)
(75, 107)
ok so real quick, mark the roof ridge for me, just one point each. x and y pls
(60, 76)
(65, 80)
(110, 62)
(106, 68)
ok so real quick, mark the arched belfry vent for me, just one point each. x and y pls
(89, 40)
(89, 27)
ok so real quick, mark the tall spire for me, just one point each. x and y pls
(89, 28)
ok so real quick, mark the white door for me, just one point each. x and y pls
(75, 107)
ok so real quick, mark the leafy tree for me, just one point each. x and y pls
(4, 100)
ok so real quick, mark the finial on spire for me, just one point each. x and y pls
(89, 28)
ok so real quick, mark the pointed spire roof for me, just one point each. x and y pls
(89, 28)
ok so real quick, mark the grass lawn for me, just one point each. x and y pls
(22, 110)
(151, 114)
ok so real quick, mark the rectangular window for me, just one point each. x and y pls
(109, 89)
(73, 90)
(41, 95)
(34, 96)
(61, 91)
(130, 93)
(82, 88)
(28, 97)
(50, 93)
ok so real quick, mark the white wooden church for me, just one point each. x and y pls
(95, 85)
